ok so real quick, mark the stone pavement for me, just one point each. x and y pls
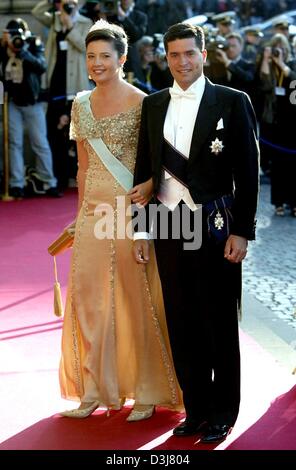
(269, 282)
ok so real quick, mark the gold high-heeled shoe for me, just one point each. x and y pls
(140, 412)
(81, 413)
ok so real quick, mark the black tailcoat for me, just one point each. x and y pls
(201, 288)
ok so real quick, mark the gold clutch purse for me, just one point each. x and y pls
(60, 244)
(64, 241)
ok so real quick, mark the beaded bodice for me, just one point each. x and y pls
(119, 132)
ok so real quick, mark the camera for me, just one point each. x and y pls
(275, 51)
(18, 42)
(158, 46)
(215, 43)
(17, 38)
(69, 8)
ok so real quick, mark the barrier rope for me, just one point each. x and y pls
(277, 147)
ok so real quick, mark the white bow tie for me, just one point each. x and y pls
(175, 94)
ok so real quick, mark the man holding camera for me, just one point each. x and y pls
(23, 63)
(238, 73)
(133, 21)
(66, 75)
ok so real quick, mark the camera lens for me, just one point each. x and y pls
(17, 42)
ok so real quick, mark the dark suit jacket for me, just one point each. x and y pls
(209, 176)
(242, 75)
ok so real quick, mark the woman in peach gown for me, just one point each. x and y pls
(114, 343)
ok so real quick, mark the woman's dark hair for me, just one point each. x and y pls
(184, 31)
(104, 31)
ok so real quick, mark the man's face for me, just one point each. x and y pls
(234, 48)
(185, 61)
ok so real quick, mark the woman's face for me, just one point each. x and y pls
(103, 63)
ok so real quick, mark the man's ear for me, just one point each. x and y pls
(204, 55)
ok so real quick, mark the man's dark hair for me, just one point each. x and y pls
(104, 31)
(184, 31)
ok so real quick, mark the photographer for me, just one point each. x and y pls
(155, 74)
(66, 75)
(22, 62)
(277, 119)
(238, 73)
(134, 22)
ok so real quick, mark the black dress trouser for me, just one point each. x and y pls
(201, 292)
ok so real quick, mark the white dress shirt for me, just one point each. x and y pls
(178, 129)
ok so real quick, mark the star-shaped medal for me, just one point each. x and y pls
(216, 146)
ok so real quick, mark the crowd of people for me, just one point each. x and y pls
(42, 82)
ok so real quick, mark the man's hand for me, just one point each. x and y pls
(66, 20)
(222, 57)
(5, 38)
(142, 193)
(235, 249)
(141, 251)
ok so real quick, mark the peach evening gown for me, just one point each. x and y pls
(114, 342)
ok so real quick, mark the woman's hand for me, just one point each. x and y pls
(142, 193)
(71, 227)
(267, 54)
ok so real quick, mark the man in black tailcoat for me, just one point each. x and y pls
(198, 141)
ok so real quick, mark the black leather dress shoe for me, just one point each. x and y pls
(17, 193)
(216, 433)
(189, 428)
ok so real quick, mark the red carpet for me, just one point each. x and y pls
(29, 356)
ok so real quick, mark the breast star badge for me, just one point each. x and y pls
(216, 146)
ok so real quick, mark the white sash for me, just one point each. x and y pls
(122, 175)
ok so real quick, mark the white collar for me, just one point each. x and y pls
(197, 87)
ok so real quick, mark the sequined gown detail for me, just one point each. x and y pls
(114, 340)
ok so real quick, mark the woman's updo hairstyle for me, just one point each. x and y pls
(110, 32)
